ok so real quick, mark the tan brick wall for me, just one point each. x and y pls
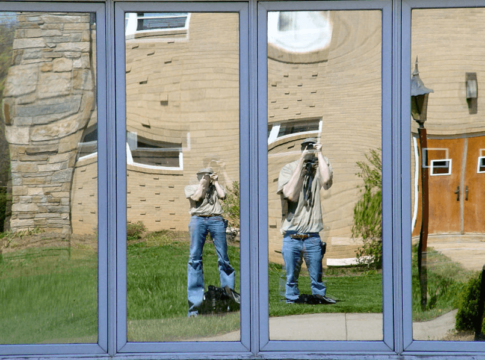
(198, 79)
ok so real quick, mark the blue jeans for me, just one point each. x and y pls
(199, 227)
(293, 251)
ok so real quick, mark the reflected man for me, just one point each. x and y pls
(299, 185)
(206, 211)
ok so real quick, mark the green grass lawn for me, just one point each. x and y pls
(446, 280)
(49, 296)
(355, 293)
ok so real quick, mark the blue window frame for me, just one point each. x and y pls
(397, 340)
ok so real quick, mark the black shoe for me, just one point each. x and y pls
(325, 300)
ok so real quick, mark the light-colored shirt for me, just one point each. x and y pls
(296, 216)
(203, 206)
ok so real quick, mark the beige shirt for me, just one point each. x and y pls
(203, 206)
(295, 215)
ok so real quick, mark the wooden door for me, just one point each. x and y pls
(444, 208)
(474, 203)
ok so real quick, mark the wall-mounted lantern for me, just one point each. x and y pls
(419, 110)
(472, 92)
(419, 97)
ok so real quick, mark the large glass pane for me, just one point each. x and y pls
(48, 171)
(182, 122)
(324, 165)
(448, 178)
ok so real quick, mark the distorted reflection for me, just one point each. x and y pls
(48, 171)
(324, 165)
(182, 106)
(447, 149)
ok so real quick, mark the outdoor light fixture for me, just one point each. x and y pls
(419, 109)
(472, 92)
(419, 97)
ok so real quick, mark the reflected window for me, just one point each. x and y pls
(293, 127)
(89, 144)
(152, 153)
(481, 164)
(151, 24)
(441, 167)
(299, 31)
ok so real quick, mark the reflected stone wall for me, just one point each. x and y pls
(49, 98)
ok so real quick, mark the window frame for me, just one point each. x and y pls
(398, 340)
(123, 346)
(101, 346)
(411, 346)
(387, 344)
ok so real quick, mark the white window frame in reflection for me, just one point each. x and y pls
(131, 25)
(130, 161)
(481, 159)
(273, 135)
(435, 166)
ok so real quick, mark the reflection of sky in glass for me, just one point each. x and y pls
(8, 18)
(299, 31)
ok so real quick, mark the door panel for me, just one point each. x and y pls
(444, 208)
(473, 209)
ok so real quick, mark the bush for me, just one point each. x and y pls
(134, 231)
(368, 210)
(231, 205)
(468, 305)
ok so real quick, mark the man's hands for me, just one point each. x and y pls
(214, 177)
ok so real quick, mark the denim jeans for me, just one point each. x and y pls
(199, 227)
(293, 251)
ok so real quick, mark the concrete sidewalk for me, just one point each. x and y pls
(343, 327)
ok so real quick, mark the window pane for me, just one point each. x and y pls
(448, 232)
(324, 90)
(48, 178)
(182, 121)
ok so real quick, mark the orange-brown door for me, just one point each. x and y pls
(474, 202)
(444, 205)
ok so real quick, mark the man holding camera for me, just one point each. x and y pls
(206, 212)
(299, 185)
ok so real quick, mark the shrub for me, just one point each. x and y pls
(231, 205)
(134, 231)
(468, 305)
(368, 210)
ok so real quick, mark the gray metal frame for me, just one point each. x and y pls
(123, 346)
(411, 346)
(103, 205)
(385, 346)
(396, 46)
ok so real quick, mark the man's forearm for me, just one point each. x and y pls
(199, 193)
(220, 191)
(324, 170)
(292, 189)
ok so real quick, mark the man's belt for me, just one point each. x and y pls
(303, 236)
(207, 215)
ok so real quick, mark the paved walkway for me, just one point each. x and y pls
(343, 327)
(468, 250)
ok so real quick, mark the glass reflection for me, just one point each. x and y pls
(182, 147)
(324, 165)
(448, 239)
(48, 171)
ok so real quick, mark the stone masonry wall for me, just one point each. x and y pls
(49, 98)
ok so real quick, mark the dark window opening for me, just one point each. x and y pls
(161, 21)
(481, 164)
(441, 167)
(153, 152)
(295, 127)
(89, 142)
